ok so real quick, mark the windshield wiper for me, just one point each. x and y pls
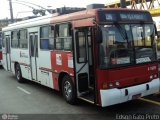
(122, 31)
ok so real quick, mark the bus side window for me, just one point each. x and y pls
(15, 39)
(81, 47)
(23, 43)
(51, 37)
(68, 37)
(63, 37)
(47, 38)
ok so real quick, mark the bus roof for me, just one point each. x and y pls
(87, 14)
(56, 18)
(29, 23)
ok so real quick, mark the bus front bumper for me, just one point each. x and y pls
(115, 96)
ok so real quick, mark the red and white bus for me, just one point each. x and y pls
(104, 56)
(0, 48)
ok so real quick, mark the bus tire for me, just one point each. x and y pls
(18, 74)
(68, 90)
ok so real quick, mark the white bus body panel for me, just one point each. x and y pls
(22, 56)
(115, 96)
(44, 61)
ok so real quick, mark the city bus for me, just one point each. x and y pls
(104, 56)
(0, 48)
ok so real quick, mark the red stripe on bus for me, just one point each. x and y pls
(46, 69)
(60, 61)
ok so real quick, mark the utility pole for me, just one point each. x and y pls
(123, 3)
(11, 10)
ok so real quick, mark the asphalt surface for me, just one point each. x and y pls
(33, 101)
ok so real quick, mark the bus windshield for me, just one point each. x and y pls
(126, 44)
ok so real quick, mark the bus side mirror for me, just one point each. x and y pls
(99, 35)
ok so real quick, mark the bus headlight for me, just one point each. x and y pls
(110, 85)
(117, 84)
(151, 76)
(155, 76)
(114, 84)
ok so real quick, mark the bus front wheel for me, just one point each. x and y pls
(68, 90)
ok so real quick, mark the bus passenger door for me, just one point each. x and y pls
(81, 61)
(6, 53)
(33, 46)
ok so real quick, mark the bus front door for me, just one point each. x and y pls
(6, 53)
(81, 62)
(33, 40)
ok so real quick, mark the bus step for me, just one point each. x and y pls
(88, 97)
(91, 88)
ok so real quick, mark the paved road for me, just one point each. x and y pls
(31, 98)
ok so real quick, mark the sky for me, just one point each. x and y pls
(21, 10)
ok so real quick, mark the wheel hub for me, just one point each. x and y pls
(67, 90)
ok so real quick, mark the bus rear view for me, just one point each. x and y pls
(128, 67)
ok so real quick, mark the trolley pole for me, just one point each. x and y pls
(11, 10)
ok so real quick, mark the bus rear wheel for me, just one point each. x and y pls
(68, 90)
(18, 74)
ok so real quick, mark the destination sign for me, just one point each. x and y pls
(110, 16)
(116, 16)
(131, 16)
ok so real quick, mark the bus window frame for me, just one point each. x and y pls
(77, 46)
(16, 38)
(68, 35)
(25, 39)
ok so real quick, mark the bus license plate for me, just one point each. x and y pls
(136, 96)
